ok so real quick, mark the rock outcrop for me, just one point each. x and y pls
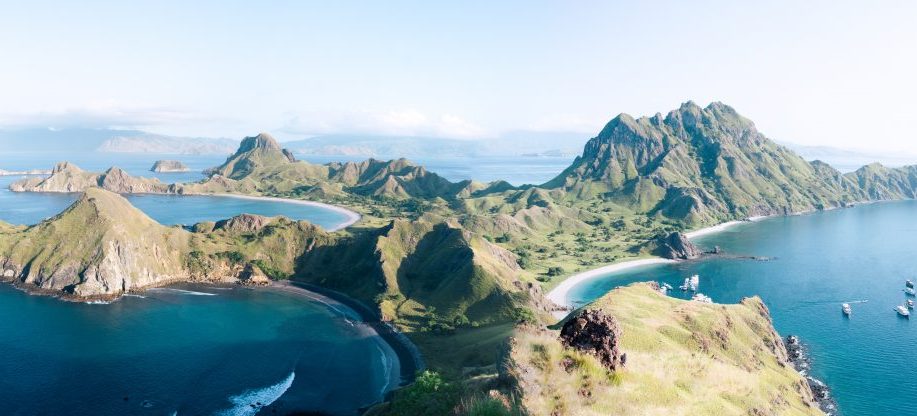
(675, 246)
(67, 177)
(101, 246)
(596, 333)
(169, 166)
(254, 152)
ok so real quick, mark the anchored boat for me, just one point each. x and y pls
(902, 310)
(846, 309)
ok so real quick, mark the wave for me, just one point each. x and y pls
(184, 292)
(134, 295)
(252, 401)
(98, 302)
(386, 367)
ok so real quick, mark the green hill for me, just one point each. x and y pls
(682, 358)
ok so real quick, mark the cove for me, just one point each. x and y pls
(189, 350)
(860, 255)
(23, 208)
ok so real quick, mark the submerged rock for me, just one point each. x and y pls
(596, 333)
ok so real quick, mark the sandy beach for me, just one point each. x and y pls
(352, 217)
(558, 295)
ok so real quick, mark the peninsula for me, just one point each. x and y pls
(462, 267)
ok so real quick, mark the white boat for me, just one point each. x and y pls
(686, 285)
(910, 291)
(846, 309)
(700, 297)
(909, 283)
(909, 303)
(902, 310)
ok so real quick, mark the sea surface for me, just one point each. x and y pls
(196, 350)
(187, 350)
(860, 255)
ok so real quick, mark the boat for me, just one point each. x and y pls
(686, 285)
(909, 283)
(846, 309)
(910, 291)
(700, 297)
(695, 282)
(909, 303)
(902, 310)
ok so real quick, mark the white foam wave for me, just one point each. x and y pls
(98, 302)
(386, 367)
(252, 401)
(184, 292)
(134, 295)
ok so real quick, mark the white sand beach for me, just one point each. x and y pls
(720, 227)
(352, 217)
(558, 295)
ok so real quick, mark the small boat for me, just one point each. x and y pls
(909, 283)
(902, 310)
(846, 309)
(910, 291)
(909, 303)
(686, 285)
(700, 297)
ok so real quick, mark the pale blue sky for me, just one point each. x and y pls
(821, 72)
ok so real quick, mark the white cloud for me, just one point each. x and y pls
(409, 122)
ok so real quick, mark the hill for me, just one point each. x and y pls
(682, 357)
(101, 246)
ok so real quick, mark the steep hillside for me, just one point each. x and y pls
(682, 358)
(100, 246)
(696, 164)
(254, 153)
(67, 177)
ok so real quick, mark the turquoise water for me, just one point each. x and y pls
(190, 350)
(860, 255)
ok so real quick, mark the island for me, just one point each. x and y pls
(169, 166)
(462, 268)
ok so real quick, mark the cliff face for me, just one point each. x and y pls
(682, 357)
(254, 152)
(67, 177)
(100, 246)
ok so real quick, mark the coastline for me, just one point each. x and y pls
(352, 217)
(559, 294)
(722, 226)
(408, 355)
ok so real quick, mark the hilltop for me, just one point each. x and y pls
(682, 357)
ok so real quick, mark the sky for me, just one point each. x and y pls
(832, 73)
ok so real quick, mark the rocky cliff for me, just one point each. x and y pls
(101, 246)
(682, 357)
(67, 177)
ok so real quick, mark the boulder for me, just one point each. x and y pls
(596, 333)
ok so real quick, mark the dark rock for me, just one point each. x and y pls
(596, 333)
(243, 223)
(675, 246)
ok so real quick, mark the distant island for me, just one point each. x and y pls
(169, 166)
(462, 268)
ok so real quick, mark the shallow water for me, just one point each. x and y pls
(173, 351)
(860, 255)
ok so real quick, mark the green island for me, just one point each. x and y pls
(462, 268)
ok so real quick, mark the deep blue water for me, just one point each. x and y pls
(185, 352)
(860, 255)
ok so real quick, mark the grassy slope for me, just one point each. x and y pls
(683, 358)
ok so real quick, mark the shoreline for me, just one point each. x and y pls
(723, 226)
(352, 217)
(410, 361)
(559, 294)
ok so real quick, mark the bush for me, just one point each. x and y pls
(555, 271)
(429, 395)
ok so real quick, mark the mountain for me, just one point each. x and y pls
(847, 160)
(706, 165)
(682, 358)
(107, 140)
(67, 177)
(101, 246)
(253, 153)
(150, 143)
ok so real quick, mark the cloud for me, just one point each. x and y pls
(408, 122)
(116, 115)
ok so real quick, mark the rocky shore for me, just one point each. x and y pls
(169, 166)
(802, 361)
